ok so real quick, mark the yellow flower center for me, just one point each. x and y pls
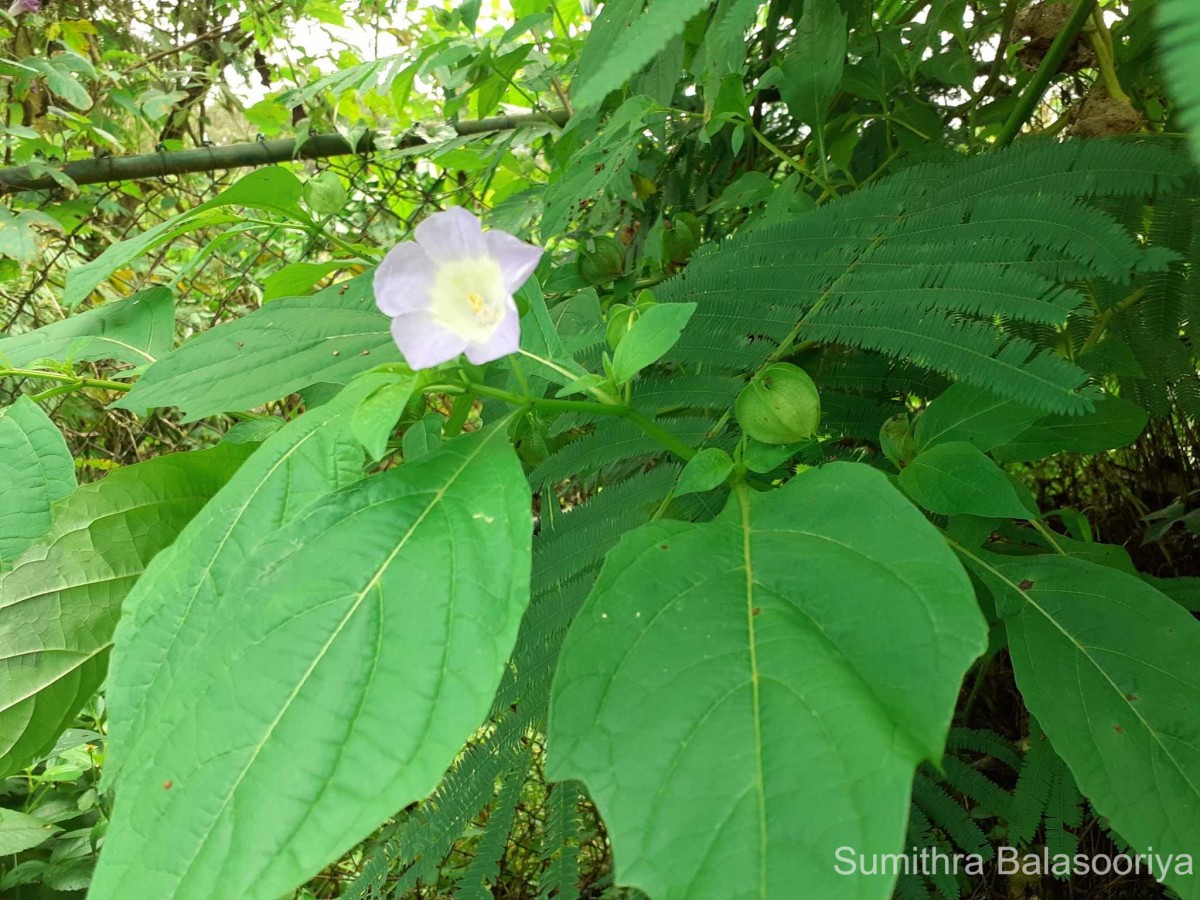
(469, 298)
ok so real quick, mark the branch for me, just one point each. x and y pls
(236, 156)
(1036, 88)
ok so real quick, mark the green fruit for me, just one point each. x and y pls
(896, 440)
(681, 238)
(780, 405)
(602, 264)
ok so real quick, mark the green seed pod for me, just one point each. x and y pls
(779, 406)
(682, 238)
(604, 263)
(896, 440)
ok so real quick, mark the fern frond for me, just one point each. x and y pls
(972, 351)
(1064, 810)
(484, 867)
(659, 394)
(590, 530)
(937, 266)
(414, 849)
(1033, 788)
(560, 846)
(949, 817)
(984, 742)
(969, 781)
(613, 441)
(1179, 25)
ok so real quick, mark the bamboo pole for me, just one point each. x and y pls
(236, 156)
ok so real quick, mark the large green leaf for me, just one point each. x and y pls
(189, 588)
(1179, 23)
(380, 624)
(273, 188)
(957, 478)
(59, 605)
(283, 347)
(964, 412)
(1113, 423)
(136, 330)
(745, 696)
(1111, 669)
(36, 469)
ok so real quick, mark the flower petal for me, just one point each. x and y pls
(404, 280)
(506, 340)
(450, 235)
(423, 342)
(517, 259)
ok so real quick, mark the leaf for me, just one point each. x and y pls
(135, 330)
(325, 194)
(750, 714)
(384, 616)
(421, 437)
(762, 458)
(623, 40)
(298, 278)
(724, 48)
(1111, 669)
(59, 605)
(956, 478)
(706, 470)
(813, 67)
(376, 417)
(19, 831)
(18, 235)
(59, 78)
(281, 348)
(605, 161)
(36, 469)
(1179, 27)
(189, 588)
(273, 188)
(1114, 423)
(653, 334)
(967, 413)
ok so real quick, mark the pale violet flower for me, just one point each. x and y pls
(450, 291)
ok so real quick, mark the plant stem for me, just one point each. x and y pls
(668, 440)
(551, 404)
(74, 380)
(1103, 320)
(1036, 88)
(1101, 40)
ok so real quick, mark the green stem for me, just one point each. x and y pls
(668, 440)
(74, 380)
(1036, 88)
(551, 404)
(1105, 318)
(796, 164)
(1101, 40)
(1048, 535)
